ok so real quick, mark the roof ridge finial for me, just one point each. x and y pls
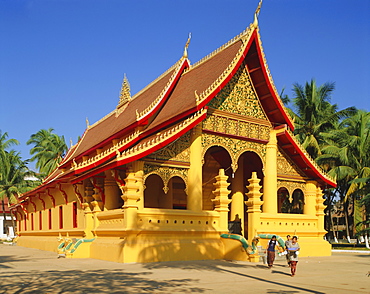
(125, 94)
(256, 13)
(185, 55)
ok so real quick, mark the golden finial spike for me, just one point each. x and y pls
(125, 94)
(87, 122)
(185, 55)
(257, 12)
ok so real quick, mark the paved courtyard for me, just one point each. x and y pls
(24, 270)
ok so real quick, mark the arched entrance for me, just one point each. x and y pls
(248, 162)
(154, 195)
(215, 158)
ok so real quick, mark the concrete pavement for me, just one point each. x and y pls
(25, 270)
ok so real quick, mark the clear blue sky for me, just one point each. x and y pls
(63, 60)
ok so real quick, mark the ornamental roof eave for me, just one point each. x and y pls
(308, 166)
(138, 110)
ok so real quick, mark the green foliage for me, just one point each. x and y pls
(13, 171)
(313, 114)
(48, 150)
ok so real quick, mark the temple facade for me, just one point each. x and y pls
(167, 173)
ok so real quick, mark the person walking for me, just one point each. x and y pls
(293, 250)
(271, 251)
(287, 242)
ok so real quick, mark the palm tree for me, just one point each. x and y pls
(347, 156)
(314, 114)
(48, 150)
(5, 143)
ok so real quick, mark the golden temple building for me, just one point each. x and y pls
(170, 171)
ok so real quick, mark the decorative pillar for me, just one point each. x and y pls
(195, 198)
(320, 209)
(89, 191)
(96, 210)
(254, 205)
(89, 221)
(130, 197)
(221, 201)
(138, 168)
(98, 193)
(237, 204)
(310, 198)
(270, 179)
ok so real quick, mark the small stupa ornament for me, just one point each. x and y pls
(125, 94)
(257, 12)
(185, 55)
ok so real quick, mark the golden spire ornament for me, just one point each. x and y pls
(185, 55)
(125, 94)
(256, 13)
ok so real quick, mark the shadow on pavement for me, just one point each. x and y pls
(275, 283)
(92, 281)
(10, 258)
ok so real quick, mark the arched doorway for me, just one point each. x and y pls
(215, 158)
(248, 162)
(154, 195)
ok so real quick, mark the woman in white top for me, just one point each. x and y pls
(293, 248)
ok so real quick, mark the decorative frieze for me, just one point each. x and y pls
(286, 166)
(176, 151)
(166, 173)
(235, 147)
(291, 186)
(236, 127)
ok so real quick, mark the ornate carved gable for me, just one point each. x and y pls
(177, 151)
(239, 97)
(286, 166)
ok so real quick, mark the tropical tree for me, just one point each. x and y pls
(346, 156)
(13, 182)
(48, 150)
(5, 143)
(313, 114)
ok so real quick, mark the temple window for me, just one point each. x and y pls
(32, 227)
(74, 214)
(60, 217)
(49, 219)
(284, 205)
(40, 220)
(298, 201)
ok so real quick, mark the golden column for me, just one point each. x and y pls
(130, 197)
(195, 198)
(89, 216)
(138, 168)
(320, 209)
(221, 201)
(270, 179)
(237, 204)
(254, 205)
(310, 198)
